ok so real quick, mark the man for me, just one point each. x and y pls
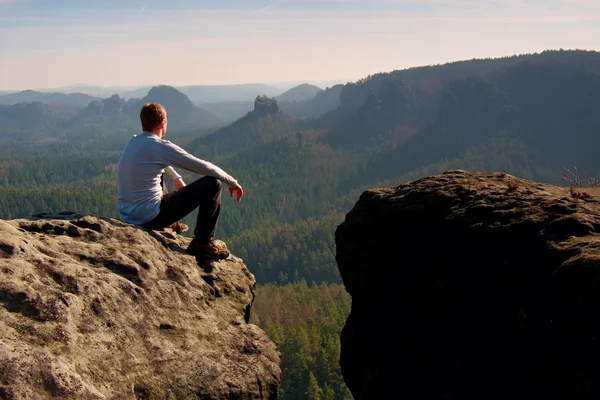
(141, 200)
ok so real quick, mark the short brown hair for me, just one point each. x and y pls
(151, 115)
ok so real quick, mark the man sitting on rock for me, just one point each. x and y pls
(141, 200)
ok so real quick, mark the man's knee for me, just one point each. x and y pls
(213, 183)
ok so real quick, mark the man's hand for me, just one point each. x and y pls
(239, 192)
(179, 183)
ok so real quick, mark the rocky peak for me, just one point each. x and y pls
(93, 308)
(169, 97)
(111, 106)
(469, 286)
(265, 106)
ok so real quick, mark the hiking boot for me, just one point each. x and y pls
(208, 250)
(178, 227)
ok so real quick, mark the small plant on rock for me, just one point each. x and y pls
(579, 195)
(574, 180)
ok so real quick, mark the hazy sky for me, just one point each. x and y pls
(51, 43)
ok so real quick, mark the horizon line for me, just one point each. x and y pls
(142, 86)
(298, 82)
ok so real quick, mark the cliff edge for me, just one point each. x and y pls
(93, 308)
(472, 286)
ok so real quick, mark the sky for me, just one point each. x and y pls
(57, 43)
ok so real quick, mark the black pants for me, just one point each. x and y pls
(204, 193)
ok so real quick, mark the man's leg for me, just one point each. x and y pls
(204, 193)
(208, 211)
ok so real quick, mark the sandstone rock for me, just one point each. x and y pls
(472, 286)
(93, 308)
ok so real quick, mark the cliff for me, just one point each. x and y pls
(472, 286)
(92, 308)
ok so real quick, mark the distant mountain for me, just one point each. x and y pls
(283, 86)
(321, 103)
(113, 113)
(199, 94)
(228, 110)
(182, 113)
(126, 92)
(110, 106)
(74, 99)
(299, 93)
(302, 101)
(134, 93)
(179, 106)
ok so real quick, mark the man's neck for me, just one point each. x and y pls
(157, 133)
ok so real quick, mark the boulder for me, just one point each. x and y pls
(472, 286)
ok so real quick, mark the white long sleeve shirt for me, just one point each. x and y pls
(139, 170)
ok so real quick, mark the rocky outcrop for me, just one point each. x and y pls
(93, 308)
(265, 106)
(111, 106)
(472, 286)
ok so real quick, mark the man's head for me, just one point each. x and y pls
(153, 117)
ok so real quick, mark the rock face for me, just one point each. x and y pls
(472, 286)
(93, 308)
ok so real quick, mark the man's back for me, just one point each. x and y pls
(138, 179)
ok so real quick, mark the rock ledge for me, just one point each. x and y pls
(93, 308)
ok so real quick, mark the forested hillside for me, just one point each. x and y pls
(303, 171)
(305, 323)
(527, 115)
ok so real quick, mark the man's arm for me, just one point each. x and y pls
(175, 155)
(171, 173)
